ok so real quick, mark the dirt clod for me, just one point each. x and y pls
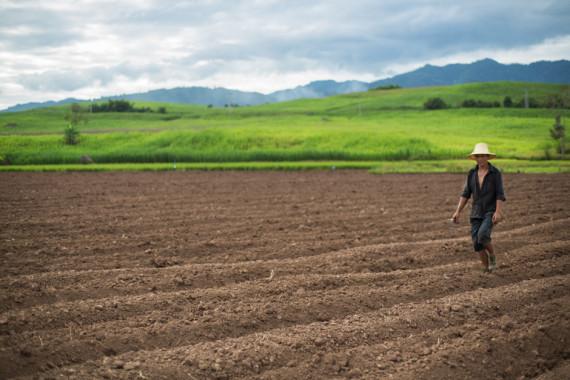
(26, 351)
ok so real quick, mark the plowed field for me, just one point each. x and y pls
(278, 275)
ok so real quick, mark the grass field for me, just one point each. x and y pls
(357, 129)
(378, 167)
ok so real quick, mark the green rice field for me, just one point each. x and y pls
(382, 131)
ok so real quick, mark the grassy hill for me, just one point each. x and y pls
(382, 125)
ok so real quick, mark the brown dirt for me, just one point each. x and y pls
(278, 275)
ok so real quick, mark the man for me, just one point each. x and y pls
(485, 182)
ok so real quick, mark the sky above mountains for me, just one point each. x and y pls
(51, 50)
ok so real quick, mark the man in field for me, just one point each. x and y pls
(485, 183)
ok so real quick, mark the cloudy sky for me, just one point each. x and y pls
(54, 49)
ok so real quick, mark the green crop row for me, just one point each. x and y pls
(379, 167)
(394, 135)
(371, 126)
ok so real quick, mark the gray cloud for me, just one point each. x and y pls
(365, 35)
(23, 29)
(66, 45)
(71, 79)
(64, 80)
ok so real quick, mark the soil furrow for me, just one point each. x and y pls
(29, 290)
(211, 314)
(305, 267)
(329, 345)
(327, 274)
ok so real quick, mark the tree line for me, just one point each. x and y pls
(121, 106)
(438, 103)
(77, 115)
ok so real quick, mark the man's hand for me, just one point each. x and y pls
(455, 218)
(496, 217)
(497, 214)
(462, 203)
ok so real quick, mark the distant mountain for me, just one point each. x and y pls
(486, 70)
(220, 97)
(31, 106)
(217, 97)
(319, 89)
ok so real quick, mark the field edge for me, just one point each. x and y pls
(376, 167)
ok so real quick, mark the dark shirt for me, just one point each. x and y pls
(484, 199)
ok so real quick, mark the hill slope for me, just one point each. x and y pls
(485, 70)
(368, 126)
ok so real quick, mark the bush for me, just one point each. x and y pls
(435, 104)
(558, 132)
(121, 106)
(472, 103)
(71, 133)
(532, 103)
(74, 116)
(507, 102)
(5, 159)
(386, 87)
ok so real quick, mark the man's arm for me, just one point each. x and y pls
(462, 203)
(497, 214)
(500, 199)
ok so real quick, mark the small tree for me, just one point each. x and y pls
(558, 103)
(558, 132)
(74, 116)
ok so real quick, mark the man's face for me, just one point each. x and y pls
(482, 159)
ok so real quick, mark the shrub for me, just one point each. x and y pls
(558, 132)
(435, 104)
(532, 103)
(121, 106)
(386, 87)
(472, 103)
(5, 159)
(70, 134)
(74, 116)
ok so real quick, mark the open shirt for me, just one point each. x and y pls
(485, 198)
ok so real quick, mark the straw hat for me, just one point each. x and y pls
(481, 148)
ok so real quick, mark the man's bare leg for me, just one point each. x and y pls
(489, 247)
(484, 259)
(492, 258)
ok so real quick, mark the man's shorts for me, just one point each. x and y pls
(481, 232)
